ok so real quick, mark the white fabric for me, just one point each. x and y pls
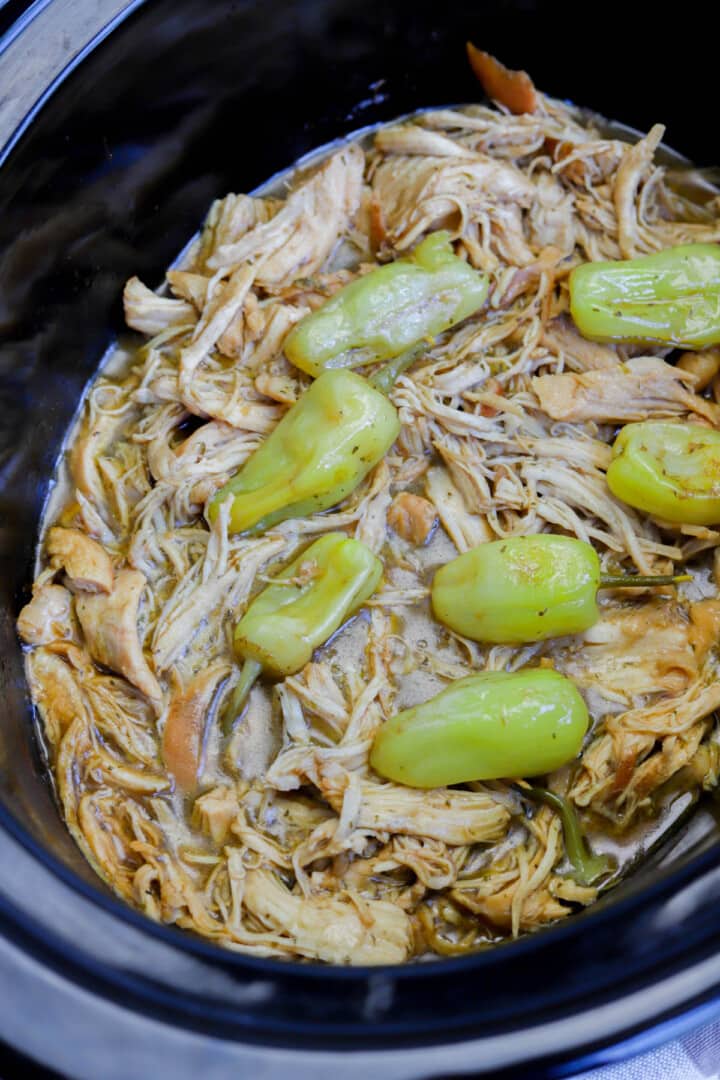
(694, 1057)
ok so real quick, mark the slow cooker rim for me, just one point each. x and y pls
(666, 881)
(637, 1036)
(16, 30)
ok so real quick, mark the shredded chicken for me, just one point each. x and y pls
(110, 626)
(48, 617)
(185, 724)
(303, 233)
(269, 832)
(87, 565)
(645, 387)
(340, 930)
(412, 517)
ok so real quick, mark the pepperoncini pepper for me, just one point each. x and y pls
(385, 312)
(671, 298)
(301, 609)
(669, 470)
(525, 588)
(484, 727)
(306, 603)
(318, 453)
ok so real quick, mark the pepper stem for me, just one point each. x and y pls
(638, 581)
(587, 866)
(385, 377)
(250, 671)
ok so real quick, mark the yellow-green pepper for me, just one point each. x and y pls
(307, 603)
(671, 298)
(385, 312)
(315, 457)
(669, 470)
(300, 610)
(525, 588)
(484, 727)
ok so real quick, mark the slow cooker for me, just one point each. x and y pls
(119, 123)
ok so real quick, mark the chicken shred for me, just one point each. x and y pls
(110, 626)
(87, 565)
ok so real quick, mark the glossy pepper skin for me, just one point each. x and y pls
(307, 603)
(525, 588)
(669, 470)
(316, 456)
(384, 313)
(671, 298)
(484, 727)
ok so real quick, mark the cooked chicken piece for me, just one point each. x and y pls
(282, 388)
(704, 365)
(185, 723)
(539, 909)
(644, 387)
(642, 648)
(107, 769)
(256, 740)
(466, 530)
(86, 563)
(316, 688)
(299, 238)
(57, 692)
(190, 287)
(47, 617)
(412, 139)
(517, 896)
(338, 929)
(230, 400)
(151, 314)
(507, 238)
(199, 597)
(455, 817)
(371, 528)
(633, 168)
(417, 194)
(551, 217)
(616, 767)
(225, 304)
(412, 517)
(568, 497)
(214, 812)
(587, 454)
(464, 460)
(280, 320)
(123, 716)
(99, 429)
(704, 628)
(588, 163)
(231, 218)
(517, 282)
(215, 450)
(430, 860)
(640, 231)
(562, 339)
(109, 624)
